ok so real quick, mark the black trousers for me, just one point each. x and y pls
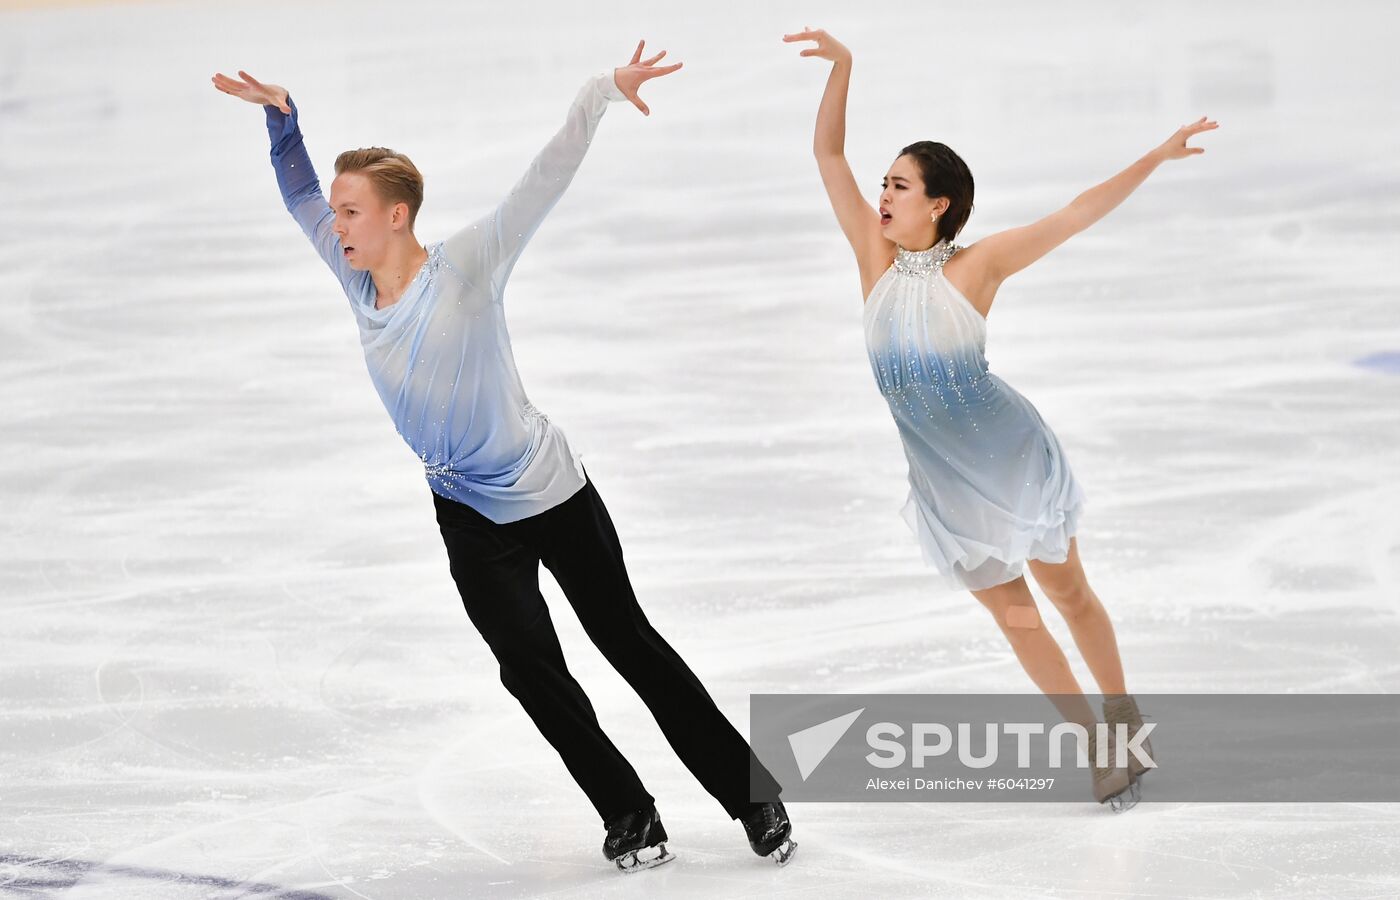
(496, 568)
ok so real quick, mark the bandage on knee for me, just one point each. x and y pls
(1022, 617)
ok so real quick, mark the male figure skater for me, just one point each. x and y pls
(508, 490)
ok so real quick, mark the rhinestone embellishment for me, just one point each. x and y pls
(924, 262)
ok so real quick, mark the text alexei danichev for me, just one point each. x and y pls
(958, 784)
(925, 784)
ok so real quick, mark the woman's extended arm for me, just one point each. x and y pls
(858, 219)
(1008, 252)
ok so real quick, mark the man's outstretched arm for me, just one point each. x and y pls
(296, 178)
(494, 242)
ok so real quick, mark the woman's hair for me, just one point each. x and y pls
(394, 176)
(945, 175)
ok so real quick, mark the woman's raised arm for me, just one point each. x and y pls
(858, 219)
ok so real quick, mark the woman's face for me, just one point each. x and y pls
(905, 213)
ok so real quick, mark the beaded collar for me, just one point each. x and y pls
(923, 262)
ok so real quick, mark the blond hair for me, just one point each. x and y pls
(394, 176)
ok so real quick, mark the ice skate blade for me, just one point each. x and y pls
(783, 855)
(631, 862)
(1126, 799)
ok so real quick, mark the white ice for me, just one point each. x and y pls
(233, 663)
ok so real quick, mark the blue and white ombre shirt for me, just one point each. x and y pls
(440, 357)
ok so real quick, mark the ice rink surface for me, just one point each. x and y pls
(233, 662)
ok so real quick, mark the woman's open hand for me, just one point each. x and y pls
(253, 91)
(1175, 146)
(827, 47)
(629, 78)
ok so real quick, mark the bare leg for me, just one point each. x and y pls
(1064, 583)
(1014, 610)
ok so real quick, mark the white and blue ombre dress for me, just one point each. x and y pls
(989, 485)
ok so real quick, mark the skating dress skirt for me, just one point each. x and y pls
(989, 485)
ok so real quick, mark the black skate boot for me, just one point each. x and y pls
(770, 830)
(630, 834)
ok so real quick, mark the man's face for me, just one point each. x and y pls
(363, 221)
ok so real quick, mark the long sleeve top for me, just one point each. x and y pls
(440, 357)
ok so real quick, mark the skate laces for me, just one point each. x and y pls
(1101, 772)
(628, 822)
(1124, 710)
(765, 815)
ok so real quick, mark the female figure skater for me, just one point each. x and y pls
(508, 490)
(990, 488)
